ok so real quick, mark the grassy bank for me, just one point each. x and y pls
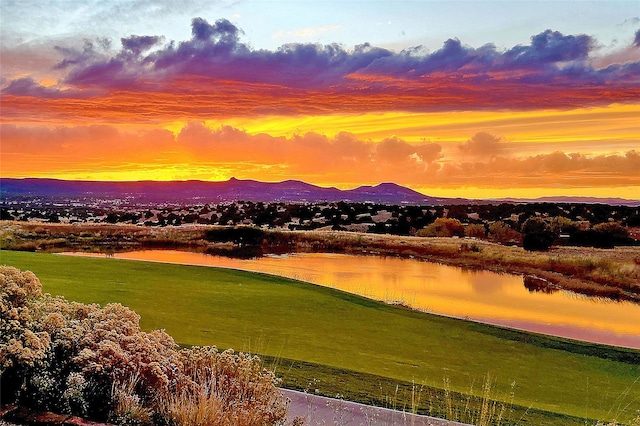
(491, 407)
(612, 273)
(291, 320)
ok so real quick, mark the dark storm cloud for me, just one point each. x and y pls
(223, 30)
(550, 47)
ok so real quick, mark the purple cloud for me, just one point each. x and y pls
(454, 76)
(215, 51)
(551, 47)
(223, 30)
(75, 57)
(29, 87)
(139, 44)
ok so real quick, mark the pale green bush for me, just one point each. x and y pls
(19, 345)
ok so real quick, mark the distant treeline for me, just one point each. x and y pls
(596, 225)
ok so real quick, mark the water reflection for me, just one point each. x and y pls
(485, 285)
(479, 295)
(535, 284)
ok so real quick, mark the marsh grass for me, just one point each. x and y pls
(612, 273)
(621, 407)
(488, 409)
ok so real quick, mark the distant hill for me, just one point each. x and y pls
(193, 191)
(612, 201)
(289, 191)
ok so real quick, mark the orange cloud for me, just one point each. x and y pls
(482, 144)
(198, 152)
(548, 170)
(63, 149)
(552, 113)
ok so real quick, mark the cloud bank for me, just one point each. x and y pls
(549, 113)
(196, 78)
(310, 156)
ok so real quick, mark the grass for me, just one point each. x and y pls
(291, 320)
(467, 407)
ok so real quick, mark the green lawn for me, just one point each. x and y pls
(292, 320)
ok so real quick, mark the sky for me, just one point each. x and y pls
(476, 99)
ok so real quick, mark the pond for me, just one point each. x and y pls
(482, 296)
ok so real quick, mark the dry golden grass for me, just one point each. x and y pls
(612, 273)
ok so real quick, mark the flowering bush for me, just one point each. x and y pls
(96, 362)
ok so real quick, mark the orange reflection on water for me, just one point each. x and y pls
(478, 295)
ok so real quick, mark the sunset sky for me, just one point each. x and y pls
(473, 99)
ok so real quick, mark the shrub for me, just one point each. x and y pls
(96, 362)
(473, 247)
(502, 233)
(475, 230)
(237, 235)
(224, 385)
(442, 227)
(21, 349)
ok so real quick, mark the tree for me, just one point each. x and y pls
(561, 224)
(5, 215)
(112, 217)
(537, 234)
(603, 235)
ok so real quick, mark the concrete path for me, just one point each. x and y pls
(313, 409)
(319, 410)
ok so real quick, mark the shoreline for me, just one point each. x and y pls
(609, 273)
(633, 342)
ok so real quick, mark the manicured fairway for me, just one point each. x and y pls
(295, 320)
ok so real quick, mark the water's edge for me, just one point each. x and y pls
(561, 314)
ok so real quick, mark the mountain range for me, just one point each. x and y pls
(201, 192)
